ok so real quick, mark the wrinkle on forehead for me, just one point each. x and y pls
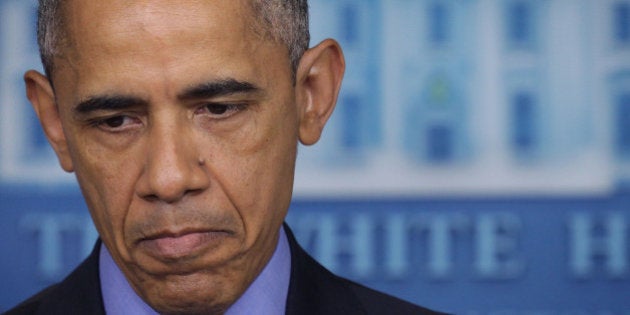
(112, 21)
(167, 29)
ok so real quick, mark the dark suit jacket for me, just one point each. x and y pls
(312, 290)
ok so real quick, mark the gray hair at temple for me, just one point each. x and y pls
(285, 20)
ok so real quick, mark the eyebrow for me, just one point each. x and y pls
(108, 103)
(201, 91)
(218, 88)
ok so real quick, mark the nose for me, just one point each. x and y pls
(174, 166)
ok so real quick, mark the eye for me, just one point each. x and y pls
(116, 123)
(217, 109)
(221, 110)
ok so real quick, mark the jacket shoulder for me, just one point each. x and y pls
(79, 293)
(375, 302)
(315, 290)
(32, 304)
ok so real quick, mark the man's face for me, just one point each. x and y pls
(181, 125)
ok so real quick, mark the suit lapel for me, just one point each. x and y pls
(80, 292)
(315, 290)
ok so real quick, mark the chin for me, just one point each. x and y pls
(192, 309)
(191, 294)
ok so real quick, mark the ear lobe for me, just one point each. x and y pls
(318, 81)
(41, 95)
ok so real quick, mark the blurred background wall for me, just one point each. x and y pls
(478, 161)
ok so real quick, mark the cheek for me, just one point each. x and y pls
(106, 181)
(258, 164)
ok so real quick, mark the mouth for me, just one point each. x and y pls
(173, 247)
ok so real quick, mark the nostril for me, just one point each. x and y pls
(174, 167)
(151, 198)
(193, 192)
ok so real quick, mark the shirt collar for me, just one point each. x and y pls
(118, 296)
(267, 294)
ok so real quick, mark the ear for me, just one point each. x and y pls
(318, 80)
(40, 92)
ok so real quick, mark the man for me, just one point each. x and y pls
(181, 121)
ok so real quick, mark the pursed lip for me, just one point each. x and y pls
(171, 246)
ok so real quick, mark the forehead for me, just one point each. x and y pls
(130, 37)
(90, 22)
